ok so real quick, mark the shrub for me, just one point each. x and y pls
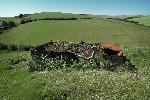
(35, 20)
(29, 20)
(12, 47)
(46, 64)
(21, 16)
(3, 46)
(16, 62)
(24, 48)
(49, 64)
(22, 21)
(4, 23)
(11, 23)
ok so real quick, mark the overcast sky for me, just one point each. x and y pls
(98, 7)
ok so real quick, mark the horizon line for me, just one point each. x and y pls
(82, 13)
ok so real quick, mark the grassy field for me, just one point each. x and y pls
(45, 15)
(142, 20)
(69, 83)
(7, 19)
(55, 15)
(93, 30)
(18, 83)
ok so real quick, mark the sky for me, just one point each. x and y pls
(97, 7)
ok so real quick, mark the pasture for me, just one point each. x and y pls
(91, 30)
(7, 19)
(17, 82)
(69, 83)
(142, 20)
(55, 15)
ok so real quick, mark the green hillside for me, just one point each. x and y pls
(45, 15)
(54, 15)
(7, 19)
(93, 30)
(76, 81)
(142, 20)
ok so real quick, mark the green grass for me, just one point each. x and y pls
(74, 84)
(17, 83)
(7, 19)
(45, 15)
(55, 15)
(143, 20)
(93, 30)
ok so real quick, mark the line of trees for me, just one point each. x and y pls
(72, 18)
(24, 21)
(127, 20)
(123, 19)
(28, 20)
(86, 18)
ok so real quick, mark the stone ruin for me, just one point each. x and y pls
(70, 52)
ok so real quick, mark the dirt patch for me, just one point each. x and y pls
(17, 62)
(21, 63)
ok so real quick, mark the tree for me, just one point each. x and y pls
(22, 21)
(4, 23)
(21, 16)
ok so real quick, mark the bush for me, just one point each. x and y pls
(22, 21)
(16, 62)
(21, 16)
(3, 46)
(12, 47)
(24, 48)
(6, 26)
(49, 64)
(35, 20)
(46, 64)
(29, 20)
(11, 23)
(4, 23)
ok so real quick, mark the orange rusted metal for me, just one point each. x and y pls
(113, 47)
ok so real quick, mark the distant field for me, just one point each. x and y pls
(45, 15)
(10, 19)
(143, 20)
(55, 15)
(93, 30)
